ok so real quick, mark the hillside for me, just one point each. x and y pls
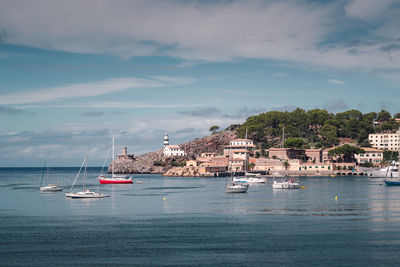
(145, 163)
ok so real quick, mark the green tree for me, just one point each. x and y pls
(384, 115)
(293, 142)
(389, 156)
(214, 129)
(397, 116)
(329, 135)
(346, 152)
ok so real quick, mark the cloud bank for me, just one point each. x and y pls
(294, 31)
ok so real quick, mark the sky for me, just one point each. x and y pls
(75, 73)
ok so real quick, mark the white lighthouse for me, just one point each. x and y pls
(166, 140)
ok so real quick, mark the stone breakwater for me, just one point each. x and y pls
(140, 164)
(145, 163)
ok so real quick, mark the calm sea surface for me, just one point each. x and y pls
(197, 223)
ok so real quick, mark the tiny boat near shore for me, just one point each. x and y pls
(251, 178)
(290, 183)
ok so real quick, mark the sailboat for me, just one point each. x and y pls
(394, 179)
(86, 193)
(115, 178)
(236, 187)
(288, 183)
(251, 178)
(48, 187)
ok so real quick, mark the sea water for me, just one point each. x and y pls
(341, 221)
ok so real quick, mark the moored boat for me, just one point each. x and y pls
(237, 188)
(49, 187)
(85, 193)
(287, 184)
(115, 178)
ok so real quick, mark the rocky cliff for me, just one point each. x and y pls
(145, 163)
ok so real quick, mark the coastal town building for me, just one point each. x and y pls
(239, 148)
(314, 155)
(386, 141)
(208, 154)
(372, 155)
(171, 150)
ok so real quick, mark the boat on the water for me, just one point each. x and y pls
(85, 193)
(251, 178)
(51, 188)
(287, 183)
(237, 187)
(115, 178)
(290, 183)
(392, 182)
(391, 170)
(46, 173)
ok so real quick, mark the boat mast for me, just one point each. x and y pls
(112, 158)
(245, 156)
(283, 141)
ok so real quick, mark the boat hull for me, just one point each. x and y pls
(392, 183)
(85, 195)
(285, 185)
(116, 181)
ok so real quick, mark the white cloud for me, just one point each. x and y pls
(291, 31)
(334, 81)
(89, 89)
(367, 9)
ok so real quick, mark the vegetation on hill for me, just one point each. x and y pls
(316, 127)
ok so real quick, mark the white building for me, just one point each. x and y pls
(385, 141)
(239, 148)
(371, 155)
(173, 150)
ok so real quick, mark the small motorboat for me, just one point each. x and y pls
(50, 188)
(290, 183)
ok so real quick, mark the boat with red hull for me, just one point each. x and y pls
(115, 178)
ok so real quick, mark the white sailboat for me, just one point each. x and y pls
(392, 176)
(250, 178)
(86, 193)
(46, 172)
(115, 178)
(288, 183)
(236, 187)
